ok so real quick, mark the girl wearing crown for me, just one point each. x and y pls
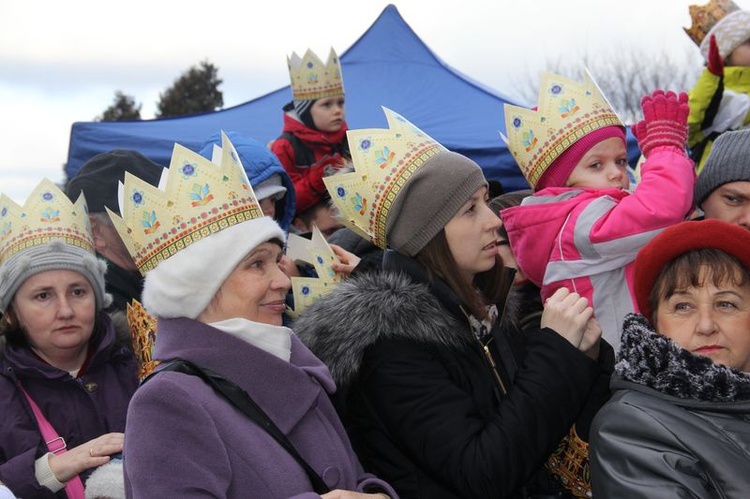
(238, 407)
(66, 374)
(441, 392)
(313, 143)
(583, 226)
(720, 98)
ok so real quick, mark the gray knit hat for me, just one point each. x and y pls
(728, 161)
(55, 255)
(429, 199)
(49, 232)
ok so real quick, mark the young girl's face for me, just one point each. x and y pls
(740, 56)
(604, 166)
(472, 236)
(328, 114)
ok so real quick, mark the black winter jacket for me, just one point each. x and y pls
(419, 398)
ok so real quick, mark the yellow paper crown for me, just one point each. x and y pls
(704, 17)
(311, 79)
(307, 290)
(384, 160)
(198, 198)
(47, 215)
(566, 111)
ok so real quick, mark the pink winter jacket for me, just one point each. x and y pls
(587, 239)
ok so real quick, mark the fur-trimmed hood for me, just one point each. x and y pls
(364, 308)
(649, 359)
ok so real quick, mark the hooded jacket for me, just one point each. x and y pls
(307, 172)
(424, 408)
(184, 440)
(717, 104)
(259, 164)
(587, 239)
(677, 425)
(79, 409)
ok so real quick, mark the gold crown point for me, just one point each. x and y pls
(311, 79)
(384, 160)
(705, 17)
(565, 108)
(46, 215)
(196, 197)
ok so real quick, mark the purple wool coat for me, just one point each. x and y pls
(183, 440)
(79, 409)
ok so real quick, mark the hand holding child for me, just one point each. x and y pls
(569, 314)
(664, 121)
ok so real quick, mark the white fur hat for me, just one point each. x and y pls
(731, 31)
(184, 284)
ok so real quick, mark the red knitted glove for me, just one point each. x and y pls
(664, 121)
(714, 63)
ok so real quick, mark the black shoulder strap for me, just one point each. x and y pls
(242, 401)
(303, 155)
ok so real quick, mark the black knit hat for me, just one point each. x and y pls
(98, 177)
(728, 161)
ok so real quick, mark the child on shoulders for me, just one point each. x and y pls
(583, 226)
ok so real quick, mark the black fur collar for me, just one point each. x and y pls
(652, 360)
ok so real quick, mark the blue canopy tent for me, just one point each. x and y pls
(388, 66)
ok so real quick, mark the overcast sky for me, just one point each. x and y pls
(61, 62)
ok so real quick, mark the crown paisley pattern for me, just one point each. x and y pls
(46, 215)
(199, 198)
(566, 111)
(384, 160)
(312, 79)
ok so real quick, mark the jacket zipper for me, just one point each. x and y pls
(488, 354)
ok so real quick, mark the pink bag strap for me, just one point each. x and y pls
(56, 445)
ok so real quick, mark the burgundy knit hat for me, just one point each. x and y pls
(558, 172)
(682, 238)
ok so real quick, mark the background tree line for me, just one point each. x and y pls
(195, 91)
(624, 75)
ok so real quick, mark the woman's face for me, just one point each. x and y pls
(57, 309)
(709, 320)
(255, 290)
(472, 236)
(328, 114)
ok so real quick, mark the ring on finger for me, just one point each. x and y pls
(91, 452)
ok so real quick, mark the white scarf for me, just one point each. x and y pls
(276, 340)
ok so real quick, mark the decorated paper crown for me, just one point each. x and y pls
(316, 251)
(384, 160)
(311, 79)
(704, 17)
(47, 215)
(567, 110)
(195, 198)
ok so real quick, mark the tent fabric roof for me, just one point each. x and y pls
(388, 65)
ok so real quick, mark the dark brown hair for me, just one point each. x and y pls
(695, 269)
(507, 200)
(492, 284)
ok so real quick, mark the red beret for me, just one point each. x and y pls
(682, 238)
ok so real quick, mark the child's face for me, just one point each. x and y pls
(604, 166)
(740, 56)
(328, 114)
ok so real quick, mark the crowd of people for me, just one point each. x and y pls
(587, 336)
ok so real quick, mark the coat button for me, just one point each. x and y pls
(331, 476)
(91, 386)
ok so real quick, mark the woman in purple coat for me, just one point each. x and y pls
(58, 350)
(214, 284)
